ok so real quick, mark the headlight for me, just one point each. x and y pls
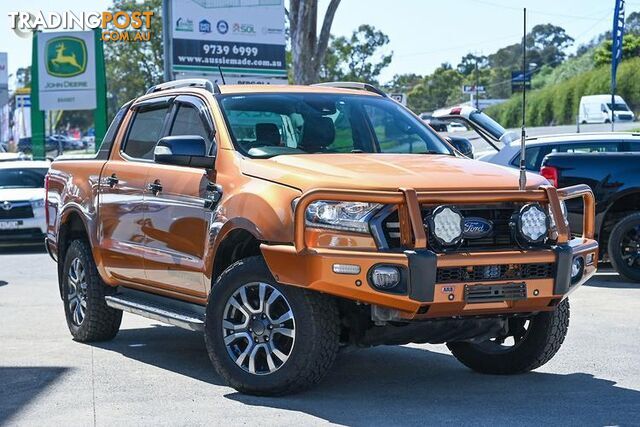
(533, 223)
(349, 216)
(37, 203)
(447, 225)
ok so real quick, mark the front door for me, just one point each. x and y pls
(176, 222)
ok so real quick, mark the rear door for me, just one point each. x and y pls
(122, 184)
(177, 221)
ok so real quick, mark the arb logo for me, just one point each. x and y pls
(66, 56)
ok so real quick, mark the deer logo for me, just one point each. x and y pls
(66, 56)
(61, 58)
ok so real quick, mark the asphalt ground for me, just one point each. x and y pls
(152, 374)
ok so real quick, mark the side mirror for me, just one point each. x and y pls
(463, 145)
(183, 150)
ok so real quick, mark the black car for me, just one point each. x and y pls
(615, 181)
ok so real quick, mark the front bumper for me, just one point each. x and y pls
(426, 295)
(29, 231)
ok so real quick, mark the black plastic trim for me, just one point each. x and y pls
(564, 256)
(422, 274)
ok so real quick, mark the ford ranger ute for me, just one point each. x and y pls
(287, 222)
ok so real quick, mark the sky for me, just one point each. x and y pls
(423, 33)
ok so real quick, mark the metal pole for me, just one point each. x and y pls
(523, 170)
(166, 39)
(477, 83)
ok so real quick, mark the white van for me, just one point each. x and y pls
(597, 109)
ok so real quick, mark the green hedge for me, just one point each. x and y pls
(558, 104)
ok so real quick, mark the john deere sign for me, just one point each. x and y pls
(67, 74)
(67, 71)
(66, 56)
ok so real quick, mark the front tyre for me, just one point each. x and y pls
(529, 344)
(267, 339)
(624, 247)
(88, 316)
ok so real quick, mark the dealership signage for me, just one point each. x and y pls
(244, 38)
(520, 80)
(67, 71)
(470, 89)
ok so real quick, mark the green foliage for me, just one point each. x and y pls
(132, 67)
(630, 48)
(558, 103)
(439, 89)
(357, 58)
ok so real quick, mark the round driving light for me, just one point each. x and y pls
(533, 223)
(385, 277)
(577, 269)
(447, 224)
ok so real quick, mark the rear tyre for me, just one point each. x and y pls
(83, 291)
(530, 343)
(265, 338)
(624, 247)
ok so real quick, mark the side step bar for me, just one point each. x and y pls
(176, 313)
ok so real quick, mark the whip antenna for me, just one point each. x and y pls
(523, 169)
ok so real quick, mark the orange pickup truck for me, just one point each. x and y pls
(286, 222)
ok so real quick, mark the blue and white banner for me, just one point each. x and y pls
(617, 35)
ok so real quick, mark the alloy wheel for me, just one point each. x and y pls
(630, 246)
(258, 328)
(77, 291)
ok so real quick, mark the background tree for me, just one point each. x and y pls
(132, 68)
(403, 83)
(468, 62)
(356, 58)
(630, 49)
(307, 46)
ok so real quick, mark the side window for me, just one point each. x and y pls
(145, 132)
(634, 146)
(591, 147)
(532, 159)
(392, 133)
(109, 137)
(189, 122)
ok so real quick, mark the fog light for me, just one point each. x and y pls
(346, 269)
(385, 277)
(533, 223)
(577, 268)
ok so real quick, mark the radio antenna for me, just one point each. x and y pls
(221, 75)
(523, 169)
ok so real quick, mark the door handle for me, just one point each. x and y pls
(154, 187)
(112, 180)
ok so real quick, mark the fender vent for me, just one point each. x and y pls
(495, 293)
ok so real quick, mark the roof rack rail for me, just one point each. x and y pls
(354, 85)
(174, 84)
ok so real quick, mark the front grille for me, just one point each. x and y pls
(487, 273)
(19, 210)
(500, 238)
(495, 293)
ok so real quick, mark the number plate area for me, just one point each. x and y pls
(10, 225)
(495, 293)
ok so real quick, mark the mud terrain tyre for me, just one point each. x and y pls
(536, 345)
(624, 247)
(87, 314)
(265, 338)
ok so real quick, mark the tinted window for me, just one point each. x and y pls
(107, 141)
(188, 122)
(22, 178)
(634, 146)
(588, 147)
(532, 158)
(264, 125)
(145, 132)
